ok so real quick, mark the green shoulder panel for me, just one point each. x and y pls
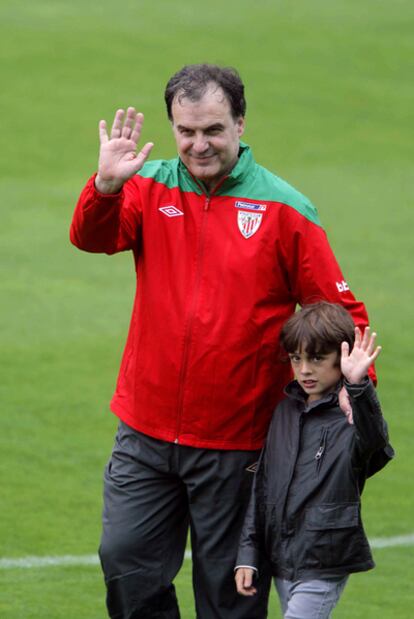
(248, 180)
(265, 186)
(161, 171)
(166, 172)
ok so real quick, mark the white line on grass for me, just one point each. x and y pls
(389, 542)
(49, 561)
(29, 562)
(34, 562)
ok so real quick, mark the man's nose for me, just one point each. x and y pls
(200, 144)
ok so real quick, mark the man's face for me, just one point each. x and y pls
(207, 135)
(316, 374)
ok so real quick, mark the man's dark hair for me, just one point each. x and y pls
(193, 80)
(319, 328)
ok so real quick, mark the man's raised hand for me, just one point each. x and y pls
(118, 157)
(355, 364)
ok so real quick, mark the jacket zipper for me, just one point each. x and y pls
(321, 449)
(189, 328)
(191, 316)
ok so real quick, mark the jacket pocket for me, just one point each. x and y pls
(332, 516)
(333, 537)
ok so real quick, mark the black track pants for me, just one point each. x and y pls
(153, 490)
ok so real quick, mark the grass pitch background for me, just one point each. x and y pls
(330, 97)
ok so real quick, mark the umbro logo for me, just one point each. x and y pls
(170, 211)
(252, 468)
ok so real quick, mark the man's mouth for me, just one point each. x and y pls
(202, 157)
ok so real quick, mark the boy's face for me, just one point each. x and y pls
(316, 374)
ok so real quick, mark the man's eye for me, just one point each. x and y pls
(294, 358)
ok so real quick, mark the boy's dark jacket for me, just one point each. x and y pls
(305, 512)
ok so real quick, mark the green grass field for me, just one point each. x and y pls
(329, 89)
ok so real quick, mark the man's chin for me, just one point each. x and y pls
(203, 173)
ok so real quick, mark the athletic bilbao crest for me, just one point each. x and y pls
(248, 223)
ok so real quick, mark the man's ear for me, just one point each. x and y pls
(240, 126)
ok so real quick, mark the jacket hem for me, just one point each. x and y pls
(302, 574)
(187, 441)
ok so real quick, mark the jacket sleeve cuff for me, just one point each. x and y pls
(249, 567)
(247, 557)
(357, 389)
(101, 195)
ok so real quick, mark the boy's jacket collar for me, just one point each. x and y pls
(294, 391)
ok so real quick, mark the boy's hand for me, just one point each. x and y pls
(244, 579)
(354, 365)
(345, 405)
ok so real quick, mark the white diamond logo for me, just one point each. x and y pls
(171, 211)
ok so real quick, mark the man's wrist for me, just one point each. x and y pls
(107, 187)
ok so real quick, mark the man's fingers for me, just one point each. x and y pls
(129, 123)
(118, 158)
(127, 126)
(139, 121)
(117, 124)
(103, 133)
(142, 156)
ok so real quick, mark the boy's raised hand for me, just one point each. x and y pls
(355, 364)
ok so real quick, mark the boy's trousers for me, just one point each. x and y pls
(153, 491)
(309, 599)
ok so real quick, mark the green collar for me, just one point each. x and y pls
(243, 166)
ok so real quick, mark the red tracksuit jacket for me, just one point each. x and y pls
(217, 276)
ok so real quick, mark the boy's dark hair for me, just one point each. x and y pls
(319, 328)
(193, 80)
